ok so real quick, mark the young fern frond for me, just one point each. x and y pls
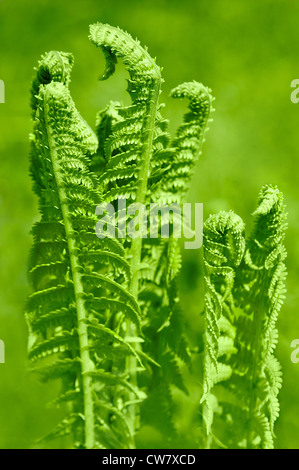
(102, 307)
(244, 393)
(129, 147)
(104, 124)
(138, 155)
(164, 319)
(259, 293)
(81, 300)
(224, 246)
(174, 166)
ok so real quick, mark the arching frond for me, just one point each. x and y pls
(81, 301)
(224, 246)
(249, 294)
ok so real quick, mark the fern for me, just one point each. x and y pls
(173, 166)
(104, 315)
(128, 148)
(141, 164)
(164, 319)
(224, 246)
(260, 293)
(243, 297)
(85, 305)
(81, 300)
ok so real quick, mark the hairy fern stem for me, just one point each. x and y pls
(136, 247)
(86, 363)
(106, 311)
(257, 347)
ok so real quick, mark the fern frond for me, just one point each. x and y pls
(133, 130)
(130, 144)
(224, 246)
(81, 302)
(104, 123)
(168, 183)
(137, 153)
(249, 294)
(259, 294)
(173, 184)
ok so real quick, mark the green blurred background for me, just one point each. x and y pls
(247, 52)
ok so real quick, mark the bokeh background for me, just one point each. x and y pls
(247, 52)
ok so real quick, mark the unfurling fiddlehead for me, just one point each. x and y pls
(141, 163)
(85, 306)
(224, 246)
(103, 308)
(81, 300)
(175, 164)
(259, 294)
(164, 319)
(245, 397)
(129, 147)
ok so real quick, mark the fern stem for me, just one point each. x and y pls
(143, 182)
(86, 363)
(136, 246)
(256, 347)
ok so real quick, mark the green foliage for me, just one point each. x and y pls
(244, 294)
(91, 296)
(164, 323)
(143, 165)
(174, 166)
(223, 250)
(81, 299)
(104, 316)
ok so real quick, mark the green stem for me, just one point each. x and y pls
(86, 363)
(136, 246)
(256, 348)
